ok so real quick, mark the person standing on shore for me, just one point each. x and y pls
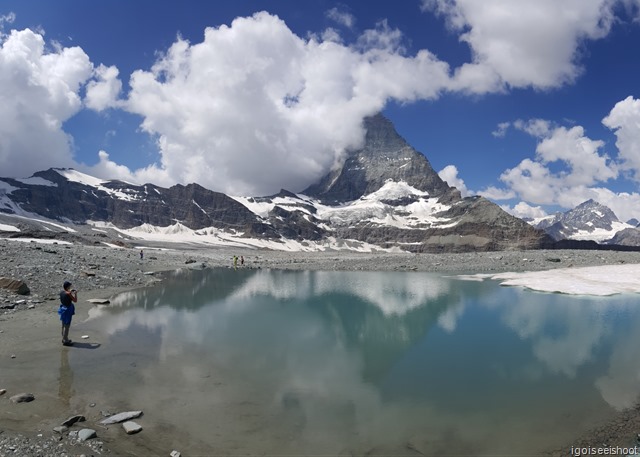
(67, 309)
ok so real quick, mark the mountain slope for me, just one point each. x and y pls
(588, 221)
(386, 195)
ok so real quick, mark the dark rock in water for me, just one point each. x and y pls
(14, 285)
(22, 398)
(73, 419)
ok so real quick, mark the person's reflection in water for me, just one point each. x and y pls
(65, 380)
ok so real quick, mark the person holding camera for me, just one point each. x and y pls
(67, 309)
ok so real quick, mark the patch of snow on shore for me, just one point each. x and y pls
(37, 240)
(600, 280)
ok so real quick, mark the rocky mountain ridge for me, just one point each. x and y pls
(385, 195)
(589, 221)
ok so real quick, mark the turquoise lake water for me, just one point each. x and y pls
(338, 363)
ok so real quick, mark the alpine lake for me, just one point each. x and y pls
(271, 362)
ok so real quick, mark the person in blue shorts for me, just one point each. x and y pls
(68, 297)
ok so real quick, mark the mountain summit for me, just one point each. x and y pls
(385, 156)
(589, 220)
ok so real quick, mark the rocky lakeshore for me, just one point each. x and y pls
(29, 326)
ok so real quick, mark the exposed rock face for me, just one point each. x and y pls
(590, 219)
(626, 237)
(477, 225)
(385, 194)
(586, 218)
(127, 205)
(385, 156)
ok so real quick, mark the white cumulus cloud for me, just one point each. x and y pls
(581, 164)
(341, 16)
(103, 92)
(524, 210)
(39, 90)
(450, 175)
(525, 43)
(253, 107)
(570, 168)
(624, 119)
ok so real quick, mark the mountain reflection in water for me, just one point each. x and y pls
(381, 362)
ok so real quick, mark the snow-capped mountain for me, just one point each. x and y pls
(588, 221)
(384, 196)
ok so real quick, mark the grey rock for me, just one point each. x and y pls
(86, 434)
(22, 398)
(73, 419)
(99, 301)
(14, 285)
(131, 427)
(121, 417)
(60, 429)
(174, 454)
(3, 391)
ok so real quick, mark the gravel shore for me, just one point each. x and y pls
(101, 272)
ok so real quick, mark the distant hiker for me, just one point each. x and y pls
(141, 254)
(235, 262)
(241, 260)
(66, 310)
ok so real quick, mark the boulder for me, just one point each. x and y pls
(131, 427)
(121, 417)
(60, 429)
(14, 285)
(22, 398)
(73, 419)
(86, 434)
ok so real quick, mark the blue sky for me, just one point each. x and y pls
(532, 103)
